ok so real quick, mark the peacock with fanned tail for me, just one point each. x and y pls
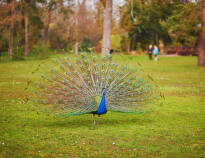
(92, 85)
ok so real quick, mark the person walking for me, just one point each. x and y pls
(155, 52)
(150, 52)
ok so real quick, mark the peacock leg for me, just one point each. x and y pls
(94, 121)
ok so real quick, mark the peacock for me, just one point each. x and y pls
(94, 85)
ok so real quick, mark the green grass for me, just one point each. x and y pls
(175, 129)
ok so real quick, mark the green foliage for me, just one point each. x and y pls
(144, 22)
(116, 42)
(184, 23)
(40, 51)
(171, 21)
(18, 53)
(85, 45)
(3, 41)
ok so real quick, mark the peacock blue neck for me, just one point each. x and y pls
(102, 107)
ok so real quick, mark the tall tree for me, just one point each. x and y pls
(201, 45)
(107, 27)
(46, 27)
(26, 22)
(76, 27)
(11, 30)
(50, 5)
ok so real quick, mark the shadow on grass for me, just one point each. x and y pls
(82, 121)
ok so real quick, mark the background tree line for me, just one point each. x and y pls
(29, 27)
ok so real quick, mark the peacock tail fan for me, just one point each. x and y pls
(80, 85)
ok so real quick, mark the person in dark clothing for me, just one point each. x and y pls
(149, 51)
(111, 51)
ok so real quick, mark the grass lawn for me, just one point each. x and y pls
(175, 129)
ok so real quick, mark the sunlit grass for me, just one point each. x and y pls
(174, 129)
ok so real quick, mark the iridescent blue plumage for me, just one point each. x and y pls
(102, 107)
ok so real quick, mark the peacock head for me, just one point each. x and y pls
(104, 91)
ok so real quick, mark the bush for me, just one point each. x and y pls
(40, 51)
(116, 42)
(85, 45)
(18, 53)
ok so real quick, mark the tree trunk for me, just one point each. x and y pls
(201, 45)
(76, 27)
(11, 31)
(26, 35)
(48, 20)
(76, 48)
(141, 3)
(128, 45)
(107, 28)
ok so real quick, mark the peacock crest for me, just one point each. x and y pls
(93, 85)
